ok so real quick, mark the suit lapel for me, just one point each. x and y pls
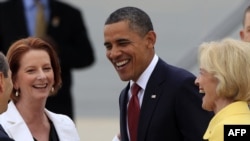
(2, 131)
(13, 23)
(64, 127)
(55, 18)
(151, 97)
(19, 19)
(123, 112)
(58, 123)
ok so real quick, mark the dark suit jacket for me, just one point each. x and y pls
(3, 135)
(175, 114)
(67, 30)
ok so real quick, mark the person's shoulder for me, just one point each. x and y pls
(2, 132)
(3, 135)
(8, 5)
(172, 69)
(242, 118)
(5, 3)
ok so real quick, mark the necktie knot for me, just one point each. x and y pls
(135, 88)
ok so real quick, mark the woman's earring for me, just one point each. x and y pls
(52, 89)
(17, 93)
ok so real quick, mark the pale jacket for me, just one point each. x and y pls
(17, 129)
(234, 113)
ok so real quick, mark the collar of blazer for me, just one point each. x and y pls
(17, 129)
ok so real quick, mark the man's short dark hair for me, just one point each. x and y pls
(138, 20)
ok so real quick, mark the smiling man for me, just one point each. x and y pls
(165, 97)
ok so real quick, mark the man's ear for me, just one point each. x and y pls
(151, 37)
(1, 82)
(242, 34)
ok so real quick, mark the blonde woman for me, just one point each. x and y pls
(225, 82)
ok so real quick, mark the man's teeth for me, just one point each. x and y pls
(118, 64)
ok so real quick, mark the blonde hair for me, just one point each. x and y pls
(229, 61)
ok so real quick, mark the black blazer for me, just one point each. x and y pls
(67, 30)
(3, 135)
(175, 114)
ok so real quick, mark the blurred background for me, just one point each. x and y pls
(181, 26)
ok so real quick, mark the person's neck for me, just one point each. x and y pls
(2, 108)
(221, 103)
(31, 112)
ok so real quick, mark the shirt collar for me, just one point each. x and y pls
(31, 3)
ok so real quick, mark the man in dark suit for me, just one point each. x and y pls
(3, 135)
(169, 101)
(65, 30)
(5, 90)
